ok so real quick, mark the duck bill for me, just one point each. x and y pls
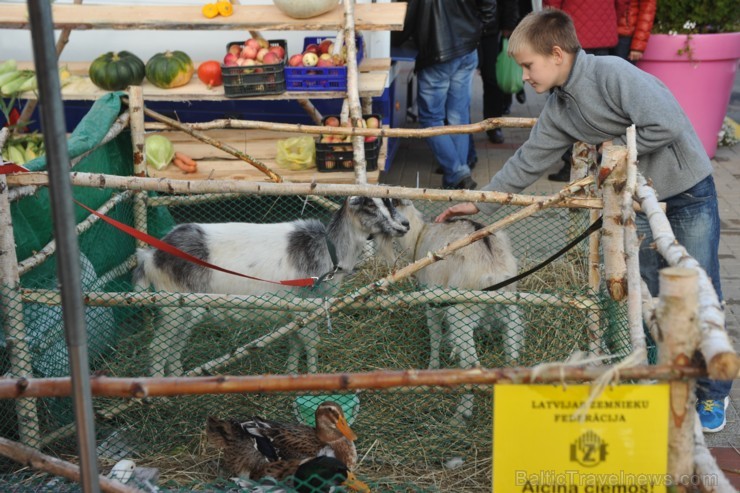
(345, 430)
(354, 484)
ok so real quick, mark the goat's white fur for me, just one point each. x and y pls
(472, 267)
(259, 250)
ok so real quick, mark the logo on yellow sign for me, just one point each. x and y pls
(588, 450)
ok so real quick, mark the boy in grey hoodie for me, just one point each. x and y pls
(594, 100)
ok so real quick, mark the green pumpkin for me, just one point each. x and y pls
(116, 71)
(169, 69)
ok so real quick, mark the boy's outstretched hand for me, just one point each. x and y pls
(463, 209)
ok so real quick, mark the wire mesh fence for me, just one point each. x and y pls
(408, 440)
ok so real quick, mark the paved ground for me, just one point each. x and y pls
(414, 166)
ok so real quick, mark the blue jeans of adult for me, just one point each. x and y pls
(443, 94)
(694, 218)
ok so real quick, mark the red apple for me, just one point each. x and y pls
(372, 122)
(247, 62)
(370, 138)
(249, 52)
(230, 59)
(278, 50)
(270, 58)
(325, 62)
(296, 60)
(235, 49)
(326, 46)
(310, 59)
(331, 121)
(261, 54)
(253, 43)
(312, 48)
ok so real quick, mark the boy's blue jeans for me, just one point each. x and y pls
(443, 94)
(694, 218)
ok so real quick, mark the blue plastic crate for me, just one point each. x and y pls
(319, 78)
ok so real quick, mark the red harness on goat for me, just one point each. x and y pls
(172, 250)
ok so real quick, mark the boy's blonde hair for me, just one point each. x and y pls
(542, 31)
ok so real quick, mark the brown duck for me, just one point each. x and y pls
(259, 447)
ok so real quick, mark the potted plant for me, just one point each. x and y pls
(694, 49)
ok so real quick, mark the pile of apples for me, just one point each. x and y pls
(319, 55)
(254, 52)
(333, 121)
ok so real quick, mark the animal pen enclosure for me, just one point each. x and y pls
(377, 320)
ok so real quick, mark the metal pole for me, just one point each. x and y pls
(68, 253)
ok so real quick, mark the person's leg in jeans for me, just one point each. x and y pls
(694, 218)
(444, 95)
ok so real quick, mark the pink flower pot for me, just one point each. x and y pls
(701, 82)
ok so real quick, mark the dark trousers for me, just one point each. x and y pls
(494, 99)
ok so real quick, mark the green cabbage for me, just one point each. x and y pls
(159, 151)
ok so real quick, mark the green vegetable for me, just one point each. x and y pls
(159, 151)
(8, 66)
(29, 85)
(15, 154)
(116, 71)
(169, 69)
(14, 85)
(9, 76)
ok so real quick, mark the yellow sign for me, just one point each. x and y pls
(620, 446)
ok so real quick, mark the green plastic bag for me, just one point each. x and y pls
(296, 153)
(508, 72)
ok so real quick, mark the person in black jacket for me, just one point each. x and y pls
(495, 102)
(446, 34)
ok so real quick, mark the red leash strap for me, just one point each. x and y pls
(166, 247)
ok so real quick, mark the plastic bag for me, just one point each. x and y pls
(508, 72)
(296, 153)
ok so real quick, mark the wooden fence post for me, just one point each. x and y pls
(11, 314)
(678, 339)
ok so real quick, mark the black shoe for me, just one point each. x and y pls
(496, 136)
(521, 96)
(466, 183)
(562, 175)
(507, 109)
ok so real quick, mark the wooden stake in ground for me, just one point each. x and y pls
(612, 174)
(632, 248)
(11, 310)
(678, 339)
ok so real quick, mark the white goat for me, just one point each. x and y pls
(280, 251)
(476, 266)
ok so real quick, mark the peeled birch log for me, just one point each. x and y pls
(31, 457)
(679, 337)
(632, 248)
(612, 175)
(706, 466)
(722, 361)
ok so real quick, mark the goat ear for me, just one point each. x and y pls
(355, 200)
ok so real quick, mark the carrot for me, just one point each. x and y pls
(184, 166)
(185, 159)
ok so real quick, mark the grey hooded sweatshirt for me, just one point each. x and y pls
(601, 98)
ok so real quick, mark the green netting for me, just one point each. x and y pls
(408, 440)
(405, 437)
